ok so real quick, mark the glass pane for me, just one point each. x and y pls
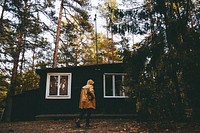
(63, 85)
(108, 84)
(53, 90)
(118, 86)
(125, 87)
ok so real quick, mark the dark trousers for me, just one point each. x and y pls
(88, 114)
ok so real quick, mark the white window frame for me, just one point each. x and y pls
(113, 84)
(58, 96)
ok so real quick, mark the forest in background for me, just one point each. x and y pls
(163, 69)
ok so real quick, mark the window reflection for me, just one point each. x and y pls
(58, 86)
(118, 86)
(114, 85)
(53, 85)
(63, 85)
(109, 87)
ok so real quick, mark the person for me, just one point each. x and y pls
(87, 103)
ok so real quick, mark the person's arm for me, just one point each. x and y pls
(91, 93)
(83, 95)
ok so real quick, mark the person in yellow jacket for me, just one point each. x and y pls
(87, 102)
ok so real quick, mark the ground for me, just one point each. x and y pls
(99, 126)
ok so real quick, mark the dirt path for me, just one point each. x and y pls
(99, 126)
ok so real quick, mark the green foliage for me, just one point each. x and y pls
(4, 85)
(27, 81)
(164, 69)
(21, 31)
(75, 37)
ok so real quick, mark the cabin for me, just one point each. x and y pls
(60, 89)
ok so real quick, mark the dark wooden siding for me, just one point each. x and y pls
(80, 75)
(25, 105)
(33, 103)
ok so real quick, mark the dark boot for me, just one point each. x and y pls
(88, 124)
(78, 123)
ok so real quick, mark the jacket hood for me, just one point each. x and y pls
(90, 82)
(87, 86)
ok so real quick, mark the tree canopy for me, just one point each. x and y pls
(164, 69)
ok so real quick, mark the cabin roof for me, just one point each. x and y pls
(86, 67)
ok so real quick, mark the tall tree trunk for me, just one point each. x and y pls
(76, 53)
(111, 24)
(11, 91)
(1, 19)
(24, 17)
(112, 47)
(107, 44)
(55, 56)
(22, 56)
(2, 12)
(33, 59)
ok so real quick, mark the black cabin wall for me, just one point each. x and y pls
(32, 103)
(80, 75)
(25, 105)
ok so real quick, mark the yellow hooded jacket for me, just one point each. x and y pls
(85, 101)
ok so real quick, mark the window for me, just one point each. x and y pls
(58, 86)
(114, 85)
